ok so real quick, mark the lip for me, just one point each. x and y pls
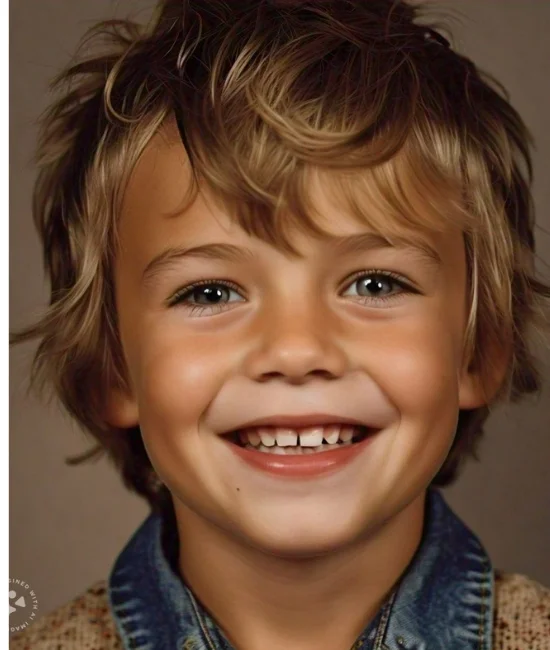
(302, 466)
(295, 421)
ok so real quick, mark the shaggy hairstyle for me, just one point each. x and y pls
(411, 134)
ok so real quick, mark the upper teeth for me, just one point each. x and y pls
(308, 436)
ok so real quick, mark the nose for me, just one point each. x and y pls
(296, 343)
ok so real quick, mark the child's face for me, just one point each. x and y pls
(294, 336)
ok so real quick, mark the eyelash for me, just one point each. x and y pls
(179, 297)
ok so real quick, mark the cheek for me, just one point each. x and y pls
(176, 375)
(415, 364)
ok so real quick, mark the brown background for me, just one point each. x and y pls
(67, 524)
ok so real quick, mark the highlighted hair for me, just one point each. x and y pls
(265, 95)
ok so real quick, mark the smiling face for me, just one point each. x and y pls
(354, 327)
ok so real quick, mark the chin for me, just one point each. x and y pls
(302, 536)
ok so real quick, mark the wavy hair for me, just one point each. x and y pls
(265, 94)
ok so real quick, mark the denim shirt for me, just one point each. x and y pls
(443, 601)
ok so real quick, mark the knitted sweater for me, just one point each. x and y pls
(521, 622)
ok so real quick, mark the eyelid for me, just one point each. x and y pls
(405, 282)
(188, 289)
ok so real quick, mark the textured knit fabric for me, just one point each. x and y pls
(522, 620)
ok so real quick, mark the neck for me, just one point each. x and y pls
(266, 601)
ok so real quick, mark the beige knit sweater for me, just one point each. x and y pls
(522, 620)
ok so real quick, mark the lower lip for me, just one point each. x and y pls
(304, 465)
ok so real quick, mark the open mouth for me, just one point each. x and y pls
(307, 440)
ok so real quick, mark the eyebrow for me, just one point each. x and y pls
(342, 245)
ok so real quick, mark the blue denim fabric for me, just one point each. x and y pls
(444, 600)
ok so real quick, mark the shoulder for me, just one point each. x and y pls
(84, 623)
(522, 613)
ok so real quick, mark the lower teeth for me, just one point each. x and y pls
(296, 451)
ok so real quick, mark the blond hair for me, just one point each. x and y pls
(264, 94)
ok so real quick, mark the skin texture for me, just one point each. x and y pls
(287, 563)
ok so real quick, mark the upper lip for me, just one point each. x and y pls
(295, 421)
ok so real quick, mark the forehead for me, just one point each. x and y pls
(154, 209)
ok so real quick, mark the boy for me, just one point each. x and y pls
(218, 195)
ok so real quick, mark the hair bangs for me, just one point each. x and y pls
(405, 198)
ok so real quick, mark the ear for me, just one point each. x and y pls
(121, 409)
(477, 388)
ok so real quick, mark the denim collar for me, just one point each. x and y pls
(443, 601)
